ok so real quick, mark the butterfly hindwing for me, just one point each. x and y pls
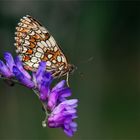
(35, 44)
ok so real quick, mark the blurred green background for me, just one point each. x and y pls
(102, 38)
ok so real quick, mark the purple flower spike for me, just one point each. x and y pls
(20, 67)
(63, 115)
(4, 70)
(62, 112)
(22, 78)
(9, 60)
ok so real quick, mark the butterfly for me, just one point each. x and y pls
(34, 44)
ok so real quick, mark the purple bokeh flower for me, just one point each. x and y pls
(63, 115)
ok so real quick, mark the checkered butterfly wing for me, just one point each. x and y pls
(35, 44)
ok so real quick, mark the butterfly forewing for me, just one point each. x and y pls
(35, 44)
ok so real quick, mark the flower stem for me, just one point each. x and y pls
(44, 122)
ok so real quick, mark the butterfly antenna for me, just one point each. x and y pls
(88, 60)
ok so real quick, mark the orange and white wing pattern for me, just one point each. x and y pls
(35, 44)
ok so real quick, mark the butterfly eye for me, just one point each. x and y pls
(72, 68)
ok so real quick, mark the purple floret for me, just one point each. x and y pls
(22, 78)
(58, 94)
(63, 116)
(43, 79)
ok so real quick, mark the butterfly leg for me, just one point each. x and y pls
(56, 74)
(67, 79)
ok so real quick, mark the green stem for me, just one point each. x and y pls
(44, 123)
(11, 79)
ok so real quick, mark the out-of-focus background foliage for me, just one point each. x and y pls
(102, 38)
